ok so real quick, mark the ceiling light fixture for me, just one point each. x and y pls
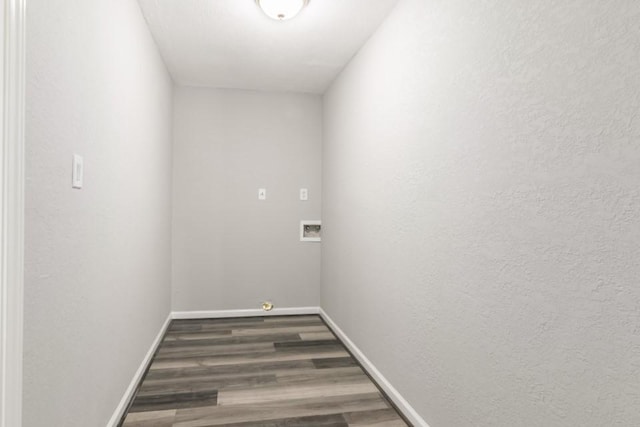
(282, 10)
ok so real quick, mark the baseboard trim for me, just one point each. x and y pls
(217, 314)
(128, 394)
(393, 394)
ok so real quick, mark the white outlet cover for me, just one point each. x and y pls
(304, 194)
(262, 194)
(77, 172)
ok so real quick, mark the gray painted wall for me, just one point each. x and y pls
(230, 250)
(482, 210)
(98, 259)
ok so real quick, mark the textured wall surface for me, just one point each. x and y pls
(230, 250)
(98, 259)
(481, 207)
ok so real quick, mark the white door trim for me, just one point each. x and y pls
(12, 180)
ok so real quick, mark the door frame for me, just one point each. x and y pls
(12, 179)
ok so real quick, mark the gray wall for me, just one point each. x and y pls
(230, 250)
(98, 259)
(481, 190)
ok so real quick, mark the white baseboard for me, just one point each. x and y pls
(128, 394)
(391, 392)
(217, 314)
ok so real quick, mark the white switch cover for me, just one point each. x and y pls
(262, 194)
(304, 194)
(78, 172)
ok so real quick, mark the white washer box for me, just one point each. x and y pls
(310, 231)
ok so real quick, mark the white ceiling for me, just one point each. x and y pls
(232, 44)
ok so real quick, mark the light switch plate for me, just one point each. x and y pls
(262, 194)
(304, 194)
(78, 172)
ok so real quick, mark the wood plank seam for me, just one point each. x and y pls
(247, 376)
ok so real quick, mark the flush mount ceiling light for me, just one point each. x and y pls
(282, 10)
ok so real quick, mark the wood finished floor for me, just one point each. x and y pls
(260, 371)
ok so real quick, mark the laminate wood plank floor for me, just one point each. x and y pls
(280, 371)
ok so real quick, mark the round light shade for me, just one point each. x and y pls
(282, 9)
